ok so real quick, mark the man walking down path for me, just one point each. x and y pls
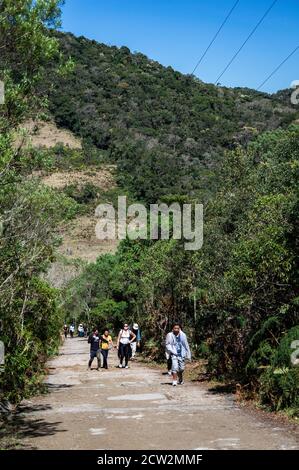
(178, 348)
(94, 341)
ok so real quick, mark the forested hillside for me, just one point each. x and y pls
(176, 138)
(153, 120)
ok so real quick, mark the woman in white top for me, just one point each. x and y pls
(124, 341)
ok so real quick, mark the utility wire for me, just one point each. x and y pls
(246, 40)
(277, 68)
(215, 37)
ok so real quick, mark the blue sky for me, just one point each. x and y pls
(176, 33)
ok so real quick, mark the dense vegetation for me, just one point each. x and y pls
(172, 125)
(238, 296)
(173, 138)
(29, 212)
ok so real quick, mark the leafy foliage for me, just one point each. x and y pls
(29, 212)
(164, 129)
(173, 138)
(238, 296)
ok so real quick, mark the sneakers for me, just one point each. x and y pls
(181, 382)
(126, 367)
(120, 366)
(169, 373)
(174, 383)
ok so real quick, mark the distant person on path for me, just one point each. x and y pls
(72, 330)
(80, 331)
(178, 348)
(65, 331)
(106, 345)
(136, 343)
(124, 340)
(94, 341)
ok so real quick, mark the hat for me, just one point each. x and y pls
(135, 326)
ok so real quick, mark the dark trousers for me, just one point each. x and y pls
(105, 358)
(124, 353)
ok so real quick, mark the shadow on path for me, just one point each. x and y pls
(225, 389)
(18, 427)
(48, 387)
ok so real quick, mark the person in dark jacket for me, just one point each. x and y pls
(95, 352)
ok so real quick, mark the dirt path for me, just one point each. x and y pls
(137, 409)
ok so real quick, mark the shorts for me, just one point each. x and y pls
(178, 364)
(95, 354)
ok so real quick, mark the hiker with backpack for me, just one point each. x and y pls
(178, 349)
(124, 341)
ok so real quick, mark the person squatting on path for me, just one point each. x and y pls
(178, 348)
(106, 345)
(124, 341)
(81, 331)
(94, 342)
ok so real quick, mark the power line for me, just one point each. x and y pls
(279, 66)
(215, 37)
(246, 40)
